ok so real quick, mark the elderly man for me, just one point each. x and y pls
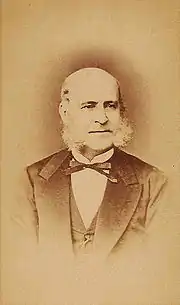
(91, 196)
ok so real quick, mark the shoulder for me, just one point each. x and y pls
(142, 170)
(153, 182)
(36, 167)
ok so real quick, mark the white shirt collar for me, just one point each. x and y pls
(97, 159)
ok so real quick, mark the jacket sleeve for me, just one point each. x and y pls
(157, 186)
(24, 214)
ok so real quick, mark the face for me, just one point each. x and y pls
(93, 114)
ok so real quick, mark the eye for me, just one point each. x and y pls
(88, 106)
(111, 105)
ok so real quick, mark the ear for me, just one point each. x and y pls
(63, 112)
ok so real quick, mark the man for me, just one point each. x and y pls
(91, 197)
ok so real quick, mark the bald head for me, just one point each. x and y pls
(88, 76)
(89, 82)
(91, 108)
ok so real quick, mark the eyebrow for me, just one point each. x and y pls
(94, 102)
(88, 102)
(108, 102)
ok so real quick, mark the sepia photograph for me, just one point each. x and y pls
(90, 153)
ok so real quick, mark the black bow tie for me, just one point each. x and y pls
(102, 168)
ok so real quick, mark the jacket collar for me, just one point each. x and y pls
(57, 161)
(121, 166)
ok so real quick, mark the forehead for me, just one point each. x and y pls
(92, 85)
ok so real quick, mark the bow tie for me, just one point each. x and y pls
(102, 168)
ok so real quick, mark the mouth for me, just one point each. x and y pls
(100, 131)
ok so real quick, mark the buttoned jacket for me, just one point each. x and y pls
(128, 205)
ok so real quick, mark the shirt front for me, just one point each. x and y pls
(82, 237)
(89, 186)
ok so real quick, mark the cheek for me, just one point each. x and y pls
(114, 119)
(79, 119)
(78, 124)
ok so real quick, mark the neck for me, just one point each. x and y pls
(91, 153)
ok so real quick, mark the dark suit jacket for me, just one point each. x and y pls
(128, 206)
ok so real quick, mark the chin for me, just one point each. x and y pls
(99, 145)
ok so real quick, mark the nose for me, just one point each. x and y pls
(101, 116)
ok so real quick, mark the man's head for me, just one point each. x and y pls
(92, 111)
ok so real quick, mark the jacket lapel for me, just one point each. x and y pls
(118, 206)
(53, 207)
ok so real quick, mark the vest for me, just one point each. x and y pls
(82, 237)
